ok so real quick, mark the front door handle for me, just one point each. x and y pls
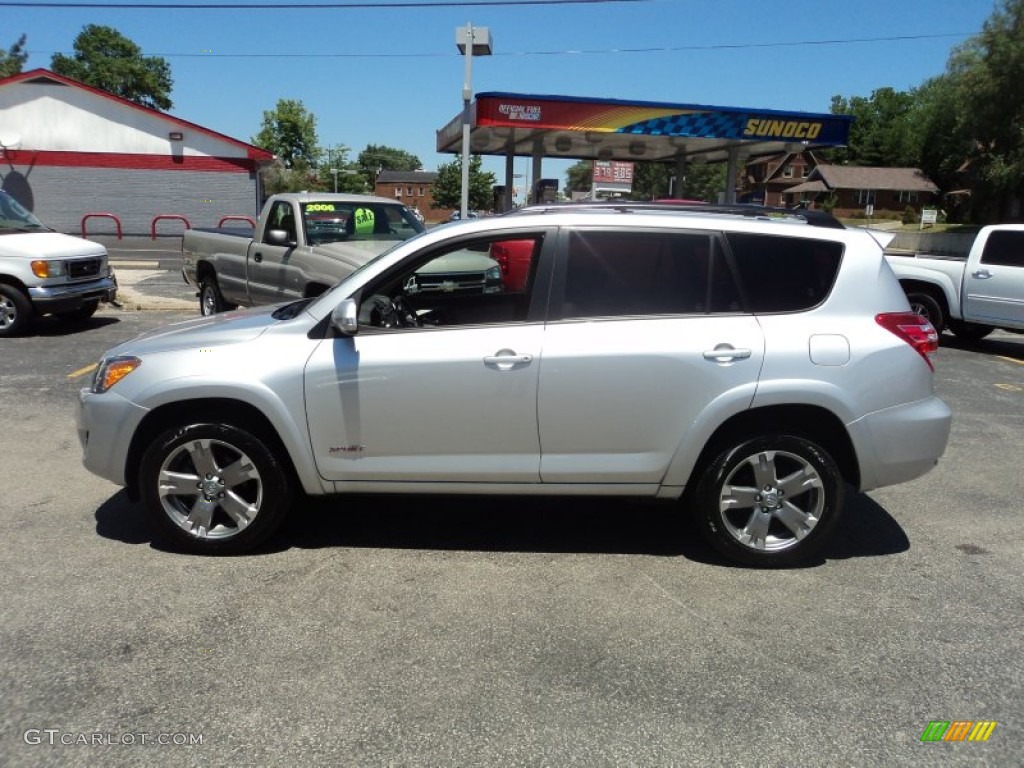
(258, 257)
(726, 353)
(506, 360)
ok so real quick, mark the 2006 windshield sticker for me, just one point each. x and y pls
(319, 207)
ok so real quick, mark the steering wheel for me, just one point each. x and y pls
(406, 315)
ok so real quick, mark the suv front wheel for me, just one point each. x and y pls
(769, 501)
(213, 488)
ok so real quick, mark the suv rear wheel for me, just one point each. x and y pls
(213, 488)
(769, 501)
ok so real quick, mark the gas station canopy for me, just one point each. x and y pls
(602, 129)
(515, 125)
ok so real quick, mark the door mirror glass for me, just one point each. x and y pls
(278, 237)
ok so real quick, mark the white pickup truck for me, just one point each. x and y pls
(46, 272)
(303, 244)
(972, 296)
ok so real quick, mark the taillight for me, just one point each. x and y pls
(913, 329)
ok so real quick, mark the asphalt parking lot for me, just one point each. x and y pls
(412, 632)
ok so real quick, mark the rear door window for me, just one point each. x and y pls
(1004, 248)
(625, 274)
(784, 274)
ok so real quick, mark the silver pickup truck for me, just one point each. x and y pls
(971, 296)
(303, 244)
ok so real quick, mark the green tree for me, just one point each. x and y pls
(106, 59)
(277, 177)
(289, 131)
(883, 132)
(942, 140)
(579, 177)
(988, 90)
(376, 158)
(349, 177)
(448, 187)
(13, 59)
(651, 180)
(704, 181)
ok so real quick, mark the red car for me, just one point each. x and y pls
(514, 257)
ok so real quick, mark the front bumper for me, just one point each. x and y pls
(106, 423)
(71, 296)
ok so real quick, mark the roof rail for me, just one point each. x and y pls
(813, 217)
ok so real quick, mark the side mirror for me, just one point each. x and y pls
(345, 318)
(278, 237)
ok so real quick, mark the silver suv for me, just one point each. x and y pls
(745, 366)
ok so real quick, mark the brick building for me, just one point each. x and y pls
(415, 189)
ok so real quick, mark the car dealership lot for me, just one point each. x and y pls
(490, 632)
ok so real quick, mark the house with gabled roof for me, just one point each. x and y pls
(68, 150)
(849, 190)
(803, 179)
(768, 178)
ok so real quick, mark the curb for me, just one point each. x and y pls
(132, 300)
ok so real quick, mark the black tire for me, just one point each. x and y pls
(210, 299)
(213, 489)
(84, 312)
(769, 501)
(15, 311)
(969, 331)
(925, 304)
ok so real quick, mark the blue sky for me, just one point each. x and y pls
(393, 76)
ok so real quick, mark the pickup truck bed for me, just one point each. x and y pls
(973, 294)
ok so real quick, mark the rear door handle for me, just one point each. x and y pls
(726, 353)
(506, 360)
(257, 257)
(981, 274)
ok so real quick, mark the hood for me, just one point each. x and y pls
(214, 331)
(458, 261)
(356, 252)
(47, 245)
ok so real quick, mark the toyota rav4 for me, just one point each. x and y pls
(747, 365)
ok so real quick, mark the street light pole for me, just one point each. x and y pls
(469, 41)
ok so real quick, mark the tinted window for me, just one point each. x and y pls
(612, 274)
(1004, 248)
(784, 274)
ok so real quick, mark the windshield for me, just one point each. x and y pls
(14, 217)
(331, 221)
(345, 280)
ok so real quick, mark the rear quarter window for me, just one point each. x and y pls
(784, 274)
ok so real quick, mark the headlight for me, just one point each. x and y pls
(43, 268)
(494, 273)
(112, 371)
